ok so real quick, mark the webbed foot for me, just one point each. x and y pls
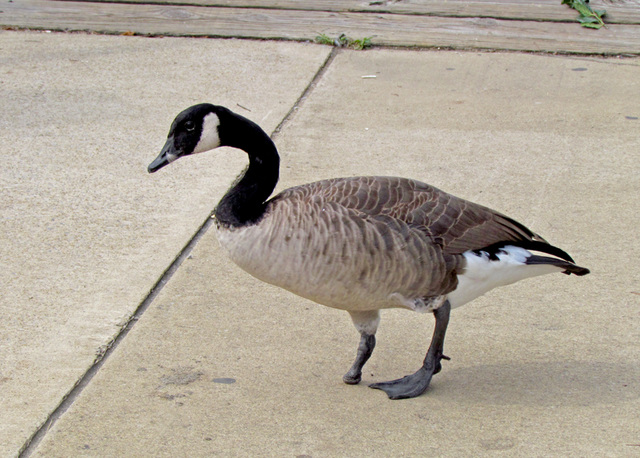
(406, 387)
(412, 385)
(415, 384)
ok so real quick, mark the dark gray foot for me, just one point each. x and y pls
(412, 385)
(415, 384)
(352, 377)
(367, 344)
(406, 387)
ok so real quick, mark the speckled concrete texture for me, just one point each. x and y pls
(86, 232)
(223, 365)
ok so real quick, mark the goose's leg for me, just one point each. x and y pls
(415, 384)
(367, 343)
(367, 324)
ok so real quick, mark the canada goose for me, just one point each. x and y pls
(361, 244)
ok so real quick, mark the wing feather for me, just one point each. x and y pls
(456, 224)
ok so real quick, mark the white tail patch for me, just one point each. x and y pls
(482, 274)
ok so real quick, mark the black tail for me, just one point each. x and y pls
(569, 268)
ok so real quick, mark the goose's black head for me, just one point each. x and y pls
(194, 130)
(205, 127)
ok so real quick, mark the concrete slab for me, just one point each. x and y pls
(85, 231)
(222, 364)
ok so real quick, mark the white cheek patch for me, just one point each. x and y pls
(170, 157)
(209, 138)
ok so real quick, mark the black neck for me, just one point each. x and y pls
(245, 202)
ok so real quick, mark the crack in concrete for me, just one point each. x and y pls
(306, 93)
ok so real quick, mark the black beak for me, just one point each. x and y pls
(166, 156)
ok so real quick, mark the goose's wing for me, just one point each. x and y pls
(332, 252)
(455, 224)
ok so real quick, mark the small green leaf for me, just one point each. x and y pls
(588, 17)
(583, 9)
(324, 39)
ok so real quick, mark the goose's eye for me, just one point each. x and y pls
(190, 126)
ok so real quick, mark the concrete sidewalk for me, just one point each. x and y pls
(85, 232)
(548, 368)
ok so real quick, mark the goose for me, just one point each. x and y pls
(361, 244)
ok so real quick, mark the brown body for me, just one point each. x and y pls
(367, 243)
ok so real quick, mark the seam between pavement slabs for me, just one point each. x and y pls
(307, 91)
(68, 399)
